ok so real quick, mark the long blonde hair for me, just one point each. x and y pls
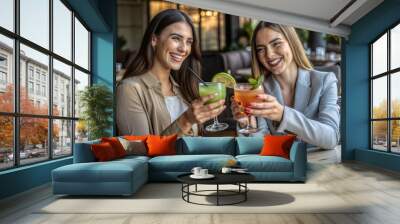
(290, 34)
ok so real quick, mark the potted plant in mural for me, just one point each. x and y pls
(303, 35)
(96, 102)
(333, 43)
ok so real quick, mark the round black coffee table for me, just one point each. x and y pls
(238, 179)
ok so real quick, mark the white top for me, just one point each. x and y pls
(176, 107)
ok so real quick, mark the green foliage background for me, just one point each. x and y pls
(96, 102)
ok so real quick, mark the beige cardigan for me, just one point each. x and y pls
(141, 108)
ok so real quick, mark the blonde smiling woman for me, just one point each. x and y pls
(297, 99)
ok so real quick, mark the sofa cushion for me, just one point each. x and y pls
(128, 159)
(116, 145)
(103, 152)
(185, 163)
(277, 145)
(134, 147)
(112, 171)
(206, 145)
(249, 145)
(161, 145)
(83, 152)
(257, 163)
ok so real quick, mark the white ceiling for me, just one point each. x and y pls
(316, 15)
(320, 8)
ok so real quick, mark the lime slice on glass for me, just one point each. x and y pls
(224, 78)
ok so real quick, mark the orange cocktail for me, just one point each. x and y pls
(245, 94)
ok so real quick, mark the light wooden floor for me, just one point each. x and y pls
(378, 188)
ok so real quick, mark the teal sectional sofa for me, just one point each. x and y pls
(125, 176)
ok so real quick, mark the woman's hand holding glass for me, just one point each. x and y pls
(269, 108)
(200, 112)
(238, 113)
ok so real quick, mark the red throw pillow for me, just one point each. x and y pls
(277, 145)
(103, 152)
(161, 145)
(116, 145)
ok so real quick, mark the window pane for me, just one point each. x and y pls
(6, 142)
(35, 21)
(222, 30)
(81, 45)
(33, 100)
(395, 47)
(395, 95)
(379, 55)
(158, 6)
(33, 139)
(7, 14)
(81, 81)
(194, 14)
(379, 135)
(379, 98)
(6, 74)
(62, 89)
(81, 131)
(209, 30)
(62, 29)
(395, 136)
(62, 138)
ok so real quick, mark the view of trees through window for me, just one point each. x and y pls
(385, 95)
(40, 82)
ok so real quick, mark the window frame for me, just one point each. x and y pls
(388, 74)
(3, 69)
(16, 114)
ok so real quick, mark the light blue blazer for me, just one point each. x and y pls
(315, 117)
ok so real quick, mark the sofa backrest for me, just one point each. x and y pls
(83, 152)
(185, 146)
(249, 145)
(190, 146)
(206, 145)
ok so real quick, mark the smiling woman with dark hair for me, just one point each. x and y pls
(158, 93)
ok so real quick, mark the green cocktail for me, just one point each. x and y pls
(219, 89)
(210, 88)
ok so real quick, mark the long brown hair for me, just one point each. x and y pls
(292, 38)
(144, 59)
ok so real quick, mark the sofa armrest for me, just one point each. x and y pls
(298, 155)
(83, 152)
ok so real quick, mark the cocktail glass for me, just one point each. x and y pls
(210, 88)
(245, 95)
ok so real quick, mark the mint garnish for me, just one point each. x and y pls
(252, 81)
(256, 82)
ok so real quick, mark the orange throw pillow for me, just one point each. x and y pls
(277, 145)
(103, 152)
(161, 145)
(116, 145)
